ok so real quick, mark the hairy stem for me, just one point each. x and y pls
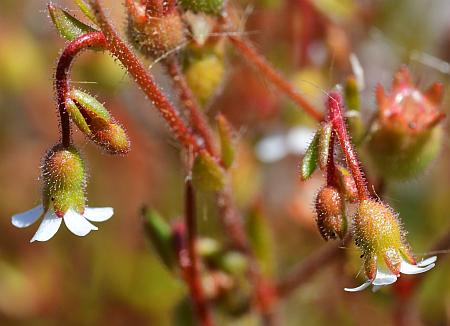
(197, 118)
(334, 105)
(121, 51)
(256, 59)
(61, 82)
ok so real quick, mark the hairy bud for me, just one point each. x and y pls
(92, 118)
(330, 209)
(156, 28)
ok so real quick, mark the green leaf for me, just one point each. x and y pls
(160, 235)
(226, 141)
(309, 163)
(68, 26)
(324, 144)
(207, 175)
(87, 10)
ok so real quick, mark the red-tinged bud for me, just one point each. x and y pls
(330, 209)
(92, 118)
(154, 28)
(406, 135)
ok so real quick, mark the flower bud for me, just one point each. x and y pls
(346, 184)
(204, 70)
(156, 29)
(406, 135)
(330, 209)
(64, 179)
(92, 118)
(226, 141)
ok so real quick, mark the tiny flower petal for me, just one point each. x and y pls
(359, 288)
(98, 214)
(407, 268)
(49, 226)
(77, 223)
(384, 278)
(427, 261)
(22, 220)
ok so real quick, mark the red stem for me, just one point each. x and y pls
(61, 76)
(143, 78)
(197, 118)
(334, 105)
(193, 272)
(248, 51)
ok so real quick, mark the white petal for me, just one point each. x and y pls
(49, 226)
(77, 224)
(427, 261)
(384, 278)
(407, 268)
(363, 286)
(22, 220)
(98, 214)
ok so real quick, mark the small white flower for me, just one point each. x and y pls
(77, 223)
(384, 276)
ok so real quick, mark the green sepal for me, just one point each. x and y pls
(68, 26)
(310, 160)
(77, 117)
(160, 235)
(87, 10)
(261, 240)
(207, 175)
(324, 145)
(226, 141)
(90, 104)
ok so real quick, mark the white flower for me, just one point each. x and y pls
(384, 276)
(77, 223)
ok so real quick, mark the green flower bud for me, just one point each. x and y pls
(204, 70)
(331, 217)
(406, 136)
(92, 118)
(226, 141)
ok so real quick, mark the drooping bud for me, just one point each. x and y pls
(331, 217)
(154, 28)
(92, 118)
(64, 179)
(406, 135)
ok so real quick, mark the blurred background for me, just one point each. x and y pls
(113, 276)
